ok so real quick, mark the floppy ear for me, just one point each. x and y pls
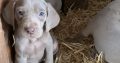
(52, 19)
(8, 12)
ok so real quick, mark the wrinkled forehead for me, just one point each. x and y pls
(31, 4)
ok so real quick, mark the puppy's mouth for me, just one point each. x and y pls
(36, 34)
(31, 35)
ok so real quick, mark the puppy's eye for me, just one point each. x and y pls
(41, 14)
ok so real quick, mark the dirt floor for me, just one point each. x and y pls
(73, 48)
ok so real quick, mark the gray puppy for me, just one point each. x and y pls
(106, 31)
(32, 20)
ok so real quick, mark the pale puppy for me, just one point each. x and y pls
(32, 20)
(105, 28)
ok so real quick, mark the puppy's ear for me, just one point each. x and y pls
(8, 12)
(52, 19)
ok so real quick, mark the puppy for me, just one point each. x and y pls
(105, 29)
(32, 20)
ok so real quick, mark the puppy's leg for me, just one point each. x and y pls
(21, 60)
(55, 50)
(49, 49)
(49, 52)
(20, 56)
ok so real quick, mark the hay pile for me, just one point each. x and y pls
(72, 47)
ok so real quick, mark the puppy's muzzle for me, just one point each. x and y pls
(30, 29)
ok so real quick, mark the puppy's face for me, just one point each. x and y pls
(30, 16)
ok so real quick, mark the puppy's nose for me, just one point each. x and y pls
(30, 30)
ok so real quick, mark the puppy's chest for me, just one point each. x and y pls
(34, 48)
